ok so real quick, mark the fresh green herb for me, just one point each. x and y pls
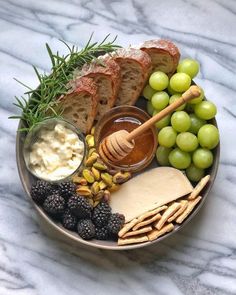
(42, 102)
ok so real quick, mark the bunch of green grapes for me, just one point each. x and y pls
(186, 138)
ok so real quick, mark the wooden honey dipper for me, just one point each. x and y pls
(119, 144)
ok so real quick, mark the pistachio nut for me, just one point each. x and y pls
(79, 180)
(99, 166)
(88, 175)
(90, 140)
(95, 188)
(96, 173)
(91, 151)
(91, 159)
(114, 187)
(99, 196)
(76, 179)
(121, 177)
(95, 203)
(84, 190)
(107, 195)
(95, 153)
(102, 185)
(107, 178)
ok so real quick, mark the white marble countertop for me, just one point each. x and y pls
(200, 259)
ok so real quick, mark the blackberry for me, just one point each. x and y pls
(115, 223)
(66, 189)
(40, 190)
(80, 206)
(86, 229)
(101, 233)
(101, 214)
(69, 221)
(54, 205)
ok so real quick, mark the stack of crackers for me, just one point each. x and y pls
(153, 224)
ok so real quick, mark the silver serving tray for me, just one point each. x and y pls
(57, 230)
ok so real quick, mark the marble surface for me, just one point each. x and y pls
(200, 259)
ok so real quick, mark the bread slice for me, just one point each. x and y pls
(135, 67)
(164, 55)
(105, 72)
(80, 104)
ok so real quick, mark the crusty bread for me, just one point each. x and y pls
(79, 105)
(164, 54)
(135, 67)
(105, 72)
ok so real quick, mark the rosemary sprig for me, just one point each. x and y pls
(42, 101)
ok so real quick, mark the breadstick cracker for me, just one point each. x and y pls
(137, 232)
(167, 214)
(184, 204)
(148, 221)
(151, 213)
(154, 234)
(127, 227)
(201, 184)
(188, 210)
(133, 240)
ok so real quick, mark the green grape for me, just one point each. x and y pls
(196, 123)
(158, 81)
(150, 108)
(188, 66)
(180, 82)
(175, 97)
(187, 141)
(180, 121)
(197, 99)
(208, 136)
(163, 122)
(189, 108)
(148, 92)
(160, 100)
(162, 155)
(194, 173)
(171, 91)
(202, 158)
(205, 110)
(179, 159)
(167, 136)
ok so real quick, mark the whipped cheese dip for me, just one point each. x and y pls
(56, 154)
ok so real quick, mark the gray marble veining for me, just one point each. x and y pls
(200, 259)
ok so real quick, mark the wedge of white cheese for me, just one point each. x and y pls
(149, 190)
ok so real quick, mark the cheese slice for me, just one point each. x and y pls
(149, 190)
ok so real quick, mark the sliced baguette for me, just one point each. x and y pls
(164, 55)
(80, 104)
(106, 74)
(135, 66)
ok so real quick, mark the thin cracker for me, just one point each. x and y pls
(135, 221)
(201, 184)
(127, 227)
(134, 240)
(184, 204)
(148, 221)
(167, 214)
(137, 232)
(155, 233)
(189, 209)
(151, 213)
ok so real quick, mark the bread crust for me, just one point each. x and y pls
(108, 69)
(162, 47)
(81, 86)
(139, 56)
